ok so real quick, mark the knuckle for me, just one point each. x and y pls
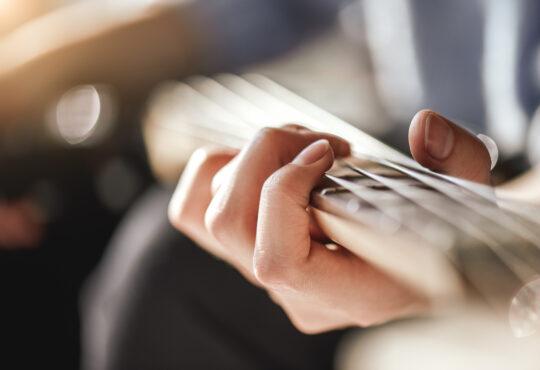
(211, 157)
(181, 208)
(268, 133)
(271, 273)
(273, 136)
(267, 271)
(217, 222)
(295, 127)
(224, 224)
(276, 273)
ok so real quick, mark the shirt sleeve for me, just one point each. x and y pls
(240, 32)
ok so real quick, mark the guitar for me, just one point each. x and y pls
(441, 236)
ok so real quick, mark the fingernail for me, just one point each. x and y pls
(344, 148)
(312, 153)
(439, 137)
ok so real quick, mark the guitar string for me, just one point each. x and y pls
(477, 281)
(374, 199)
(225, 97)
(494, 214)
(234, 84)
(486, 192)
(374, 147)
(361, 142)
(518, 266)
(240, 106)
(266, 100)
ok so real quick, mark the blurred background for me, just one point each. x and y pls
(75, 77)
(74, 196)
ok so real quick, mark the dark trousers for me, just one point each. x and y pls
(158, 301)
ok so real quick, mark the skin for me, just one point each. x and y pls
(250, 210)
(468, 157)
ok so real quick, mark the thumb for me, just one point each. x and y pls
(442, 146)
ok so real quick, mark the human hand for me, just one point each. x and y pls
(440, 145)
(252, 213)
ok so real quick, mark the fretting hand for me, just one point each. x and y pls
(250, 210)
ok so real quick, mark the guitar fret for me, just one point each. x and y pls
(418, 215)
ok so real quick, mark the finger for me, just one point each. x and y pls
(223, 174)
(286, 259)
(316, 232)
(286, 193)
(232, 215)
(441, 145)
(340, 146)
(193, 194)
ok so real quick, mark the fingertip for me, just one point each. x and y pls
(441, 145)
(344, 149)
(326, 160)
(340, 146)
(417, 136)
(432, 138)
(195, 184)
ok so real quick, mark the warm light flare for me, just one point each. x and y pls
(8, 8)
(13, 13)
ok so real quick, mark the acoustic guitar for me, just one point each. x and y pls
(443, 237)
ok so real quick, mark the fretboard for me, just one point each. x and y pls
(437, 234)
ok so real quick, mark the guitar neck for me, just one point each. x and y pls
(427, 230)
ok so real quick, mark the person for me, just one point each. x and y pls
(206, 49)
(158, 300)
(102, 42)
(96, 42)
(140, 312)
